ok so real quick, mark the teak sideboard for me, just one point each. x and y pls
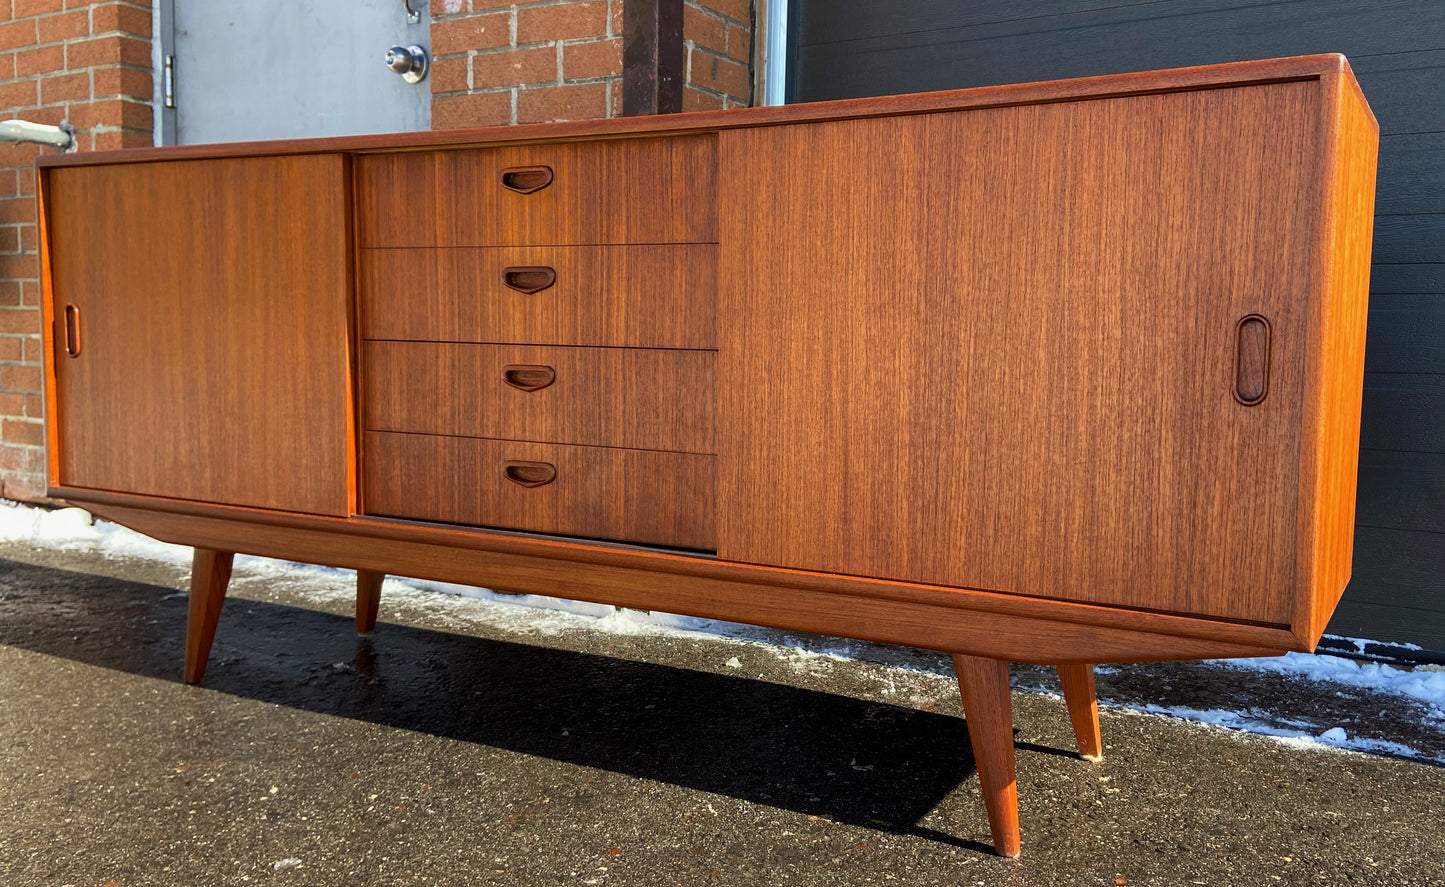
(1060, 373)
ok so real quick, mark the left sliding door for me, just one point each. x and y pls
(201, 347)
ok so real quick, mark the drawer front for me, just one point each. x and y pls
(658, 190)
(603, 493)
(608, 397)
(651, 296)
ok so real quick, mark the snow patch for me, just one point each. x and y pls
(1425, 686)
(1335, 737)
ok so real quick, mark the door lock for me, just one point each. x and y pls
(410, 62)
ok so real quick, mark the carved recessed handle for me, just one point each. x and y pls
(529, 378)
(1251, 359)
(529, 278)
(530, 474)
(526, 179)
(72, 330)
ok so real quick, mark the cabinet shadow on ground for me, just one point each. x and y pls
(874, 765)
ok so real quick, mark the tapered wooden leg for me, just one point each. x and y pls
(368, 600)
(1079, 695)
(988, 710)
(210, 573)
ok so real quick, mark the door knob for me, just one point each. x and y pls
(410, 62)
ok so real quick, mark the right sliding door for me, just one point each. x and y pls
(1053, 349)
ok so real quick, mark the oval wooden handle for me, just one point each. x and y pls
(529, 278)
(526, 179)
(72, 330)
(530, 474)
(1251, 359)
(529, 378)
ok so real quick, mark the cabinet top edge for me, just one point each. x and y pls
(1226, 75)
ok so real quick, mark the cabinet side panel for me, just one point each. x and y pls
(997, 349)
(1340, 360)
(212, 298)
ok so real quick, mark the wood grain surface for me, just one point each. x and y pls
(1302, 67)
(1012, 368)
(637, 496)
(709, 590)
(1164, 635)
(368, 600)
(649, 296)
(213, 298)
(1077, 682)
(210, 574)
(1329, 459)
(983, 684)
(614, 191)
(614, 397)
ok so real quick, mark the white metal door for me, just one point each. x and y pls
(279, 69)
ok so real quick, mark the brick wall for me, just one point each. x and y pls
(79, 61)
(718, 38)
(499, 63)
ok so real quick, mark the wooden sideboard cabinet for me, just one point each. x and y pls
(1062, 373)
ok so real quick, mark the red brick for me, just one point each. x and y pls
(514, 66)
(18, 95)
(472, 32)
(121, 17)
(25, 181)
(109, 50)
(9, 185)
(12, 403)
(13, 459)
(17, 34)
(446, 7)
(17, 377)
(53, 116)
(45, 60)
(7, 66)
(463, 111)
(449, 75)
(16, 210)
(10, 298)
(30, 296)
(9, 239)
(740, 11)
(25, 487)
(19, 321)
(567, 21)
(479, 5)
(29, 238)
(114, 140)
(584, 101)
(129, 82)
(27, 8)
(719, 74)
(111, 112)
(600, 58)
(67, 26)
(704, 29)
(696, 100)
(18, 431)
(740, 44)
(18, 153)
(35, 403)
(24, 266)
(615, 92)
(65, 88)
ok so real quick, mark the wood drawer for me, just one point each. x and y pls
(599, 492)
(654, 190)
(610, 397)
(649, 296)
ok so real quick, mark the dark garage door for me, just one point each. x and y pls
(848, 48)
